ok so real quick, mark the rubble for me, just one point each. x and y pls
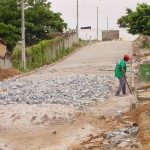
(74, 90)
(121, 138)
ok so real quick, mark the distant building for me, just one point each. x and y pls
(109, 35)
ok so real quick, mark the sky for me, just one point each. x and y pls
(111, 9)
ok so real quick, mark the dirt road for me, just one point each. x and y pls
(30, 127)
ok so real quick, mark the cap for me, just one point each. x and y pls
(127, 57)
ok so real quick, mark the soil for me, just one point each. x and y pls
(7, 73)
(141, 115)
(59, 127)
(43, 127)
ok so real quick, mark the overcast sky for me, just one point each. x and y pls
(113, 9)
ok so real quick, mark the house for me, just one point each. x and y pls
(5, 63)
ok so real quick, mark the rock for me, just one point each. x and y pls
(114, 142)
(119, 115)
(140, 91)
(125, 130)
(133, 106)
(106, 145)
(116, 132)
(109, 135)
(123, 144)
(144, 96)
(3, 95)
(58, 90)
(133, 131)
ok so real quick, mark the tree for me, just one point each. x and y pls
(9, 21)
(10, 34)
(138, 21)
(40, 21)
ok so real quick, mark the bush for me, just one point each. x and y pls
(46, 52)
(145, 42)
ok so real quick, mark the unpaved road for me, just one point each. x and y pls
(18, 127)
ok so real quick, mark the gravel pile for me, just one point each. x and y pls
(123, 138)
(69, 90)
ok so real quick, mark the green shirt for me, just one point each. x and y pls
(120, 64)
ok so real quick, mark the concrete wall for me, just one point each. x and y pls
(5, 63)
(56, 48)
(109, 35)
(62, 43)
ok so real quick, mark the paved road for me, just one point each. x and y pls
(88, 60)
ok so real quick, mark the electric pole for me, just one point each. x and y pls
(23, 37)
(77, 21)
(97, 24)
(107, 23)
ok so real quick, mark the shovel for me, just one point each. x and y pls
(128, 85)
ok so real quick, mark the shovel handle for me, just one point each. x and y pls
(128, 85)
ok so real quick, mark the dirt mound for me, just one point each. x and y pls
(6, 73)
(141, 115)
(134, 114)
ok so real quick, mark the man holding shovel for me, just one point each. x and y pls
(120, 73)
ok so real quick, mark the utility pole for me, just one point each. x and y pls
(23, 37)
(97, 24)
(107, 23)
(77, 22)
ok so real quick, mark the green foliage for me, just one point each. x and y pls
(42, 53)
(144, 42)
(40, 23)
(137, 22)
(10, 34)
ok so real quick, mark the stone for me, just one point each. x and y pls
(116, 132)
(125, 130)
(123, 144)
(140, 91)
(58, 90)
(114, 142)
(3, 95)
(119, 115)
(133, 131)
(106, 145)
(144, 96)
(109, 135)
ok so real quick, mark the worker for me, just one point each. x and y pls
(120, 73)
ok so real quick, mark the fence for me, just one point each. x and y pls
(46, 51)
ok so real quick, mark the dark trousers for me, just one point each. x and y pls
(122, 86)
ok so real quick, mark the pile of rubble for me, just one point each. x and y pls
(122, 138)
(76, 90)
